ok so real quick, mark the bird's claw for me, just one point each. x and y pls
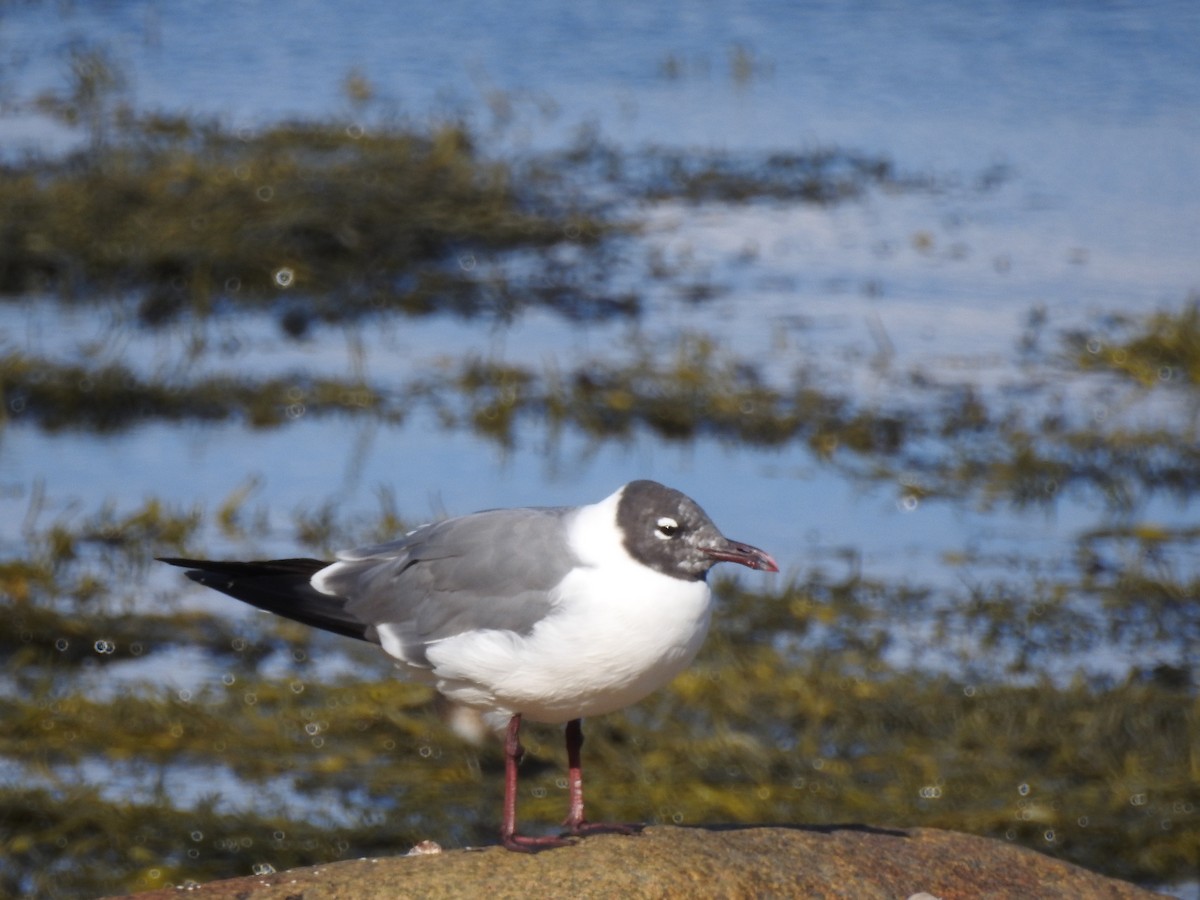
(582, 829)
(521, 843)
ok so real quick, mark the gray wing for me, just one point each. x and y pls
(488, 570)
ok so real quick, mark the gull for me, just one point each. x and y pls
(546, 614)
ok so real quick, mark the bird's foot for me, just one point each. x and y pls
(582, 829)
(521, 843)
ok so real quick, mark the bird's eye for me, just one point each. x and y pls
(666, 528)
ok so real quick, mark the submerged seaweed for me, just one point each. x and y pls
(795, 711)
(831, 698)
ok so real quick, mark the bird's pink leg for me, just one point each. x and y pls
(575, 823)
(513, 751)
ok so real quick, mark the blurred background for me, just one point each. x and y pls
(905, 294)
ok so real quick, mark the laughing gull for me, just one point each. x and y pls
(547, 613)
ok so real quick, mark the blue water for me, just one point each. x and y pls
(1094, 109)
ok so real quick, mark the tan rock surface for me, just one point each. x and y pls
(852, 861)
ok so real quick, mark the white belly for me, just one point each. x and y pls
(611, 640)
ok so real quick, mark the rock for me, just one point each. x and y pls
(828, 861)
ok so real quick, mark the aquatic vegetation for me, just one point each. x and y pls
(325, 221)
(932, 442)
(334, 221)
(797, 710)
(823, 176)
(111, 396)
(1051, 706)
(1163, 349)
(744, 65)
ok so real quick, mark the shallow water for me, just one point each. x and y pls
(1060, 147)
(1093, 113)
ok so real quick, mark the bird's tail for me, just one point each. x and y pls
(281, 586)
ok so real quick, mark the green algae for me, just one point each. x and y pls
(933, 443)
(111, 396)
(822, 176)
(795, 711)
(801, 707)
(329, 220)
(1160, 350)
(335, 221)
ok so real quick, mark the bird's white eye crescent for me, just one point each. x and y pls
(666, 528)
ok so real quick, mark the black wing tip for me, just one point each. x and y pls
(280, 586)
(202, 571)
(293, 566)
